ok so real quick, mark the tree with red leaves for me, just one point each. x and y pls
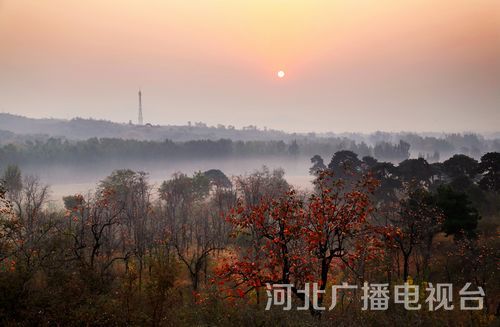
(295, 241)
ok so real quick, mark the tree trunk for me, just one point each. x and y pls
(406, 268)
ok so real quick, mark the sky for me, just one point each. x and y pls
(355, 66)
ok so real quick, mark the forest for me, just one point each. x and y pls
(54, 150)
(25, 140)
(200, 249)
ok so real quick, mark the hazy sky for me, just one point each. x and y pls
(360, 65)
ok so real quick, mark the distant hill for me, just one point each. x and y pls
(80, 128)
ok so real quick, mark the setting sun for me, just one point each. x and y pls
(281, 74)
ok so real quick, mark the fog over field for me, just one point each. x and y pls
(72, 156)
(70, 179)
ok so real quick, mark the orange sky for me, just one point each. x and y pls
(351, 65)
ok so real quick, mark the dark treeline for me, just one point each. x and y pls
(20, 130)
(475, 178)
(63, 151)
(56, 150)
(201, 251)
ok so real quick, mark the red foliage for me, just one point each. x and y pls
(295, 241)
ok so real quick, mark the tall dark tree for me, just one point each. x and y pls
(387, 174)
(460, 215)
(489, 167)
(460, 165)
(415, 170)
(345, 165)
(370, 162)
